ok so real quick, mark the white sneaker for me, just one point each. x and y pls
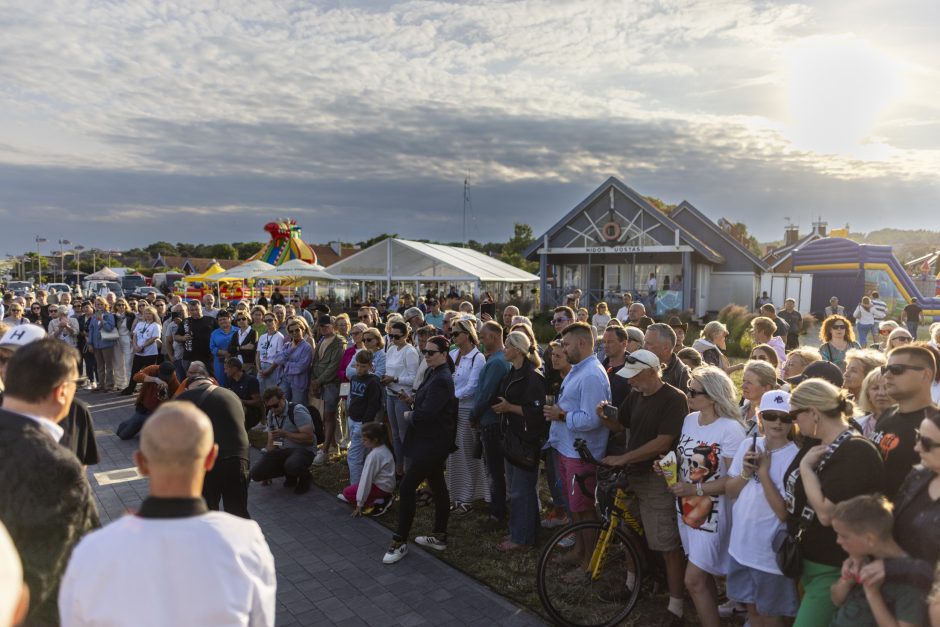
(320, 458)
(396, 551)
(431, 542)
(567, 542)
(342, 497)
(731, 608)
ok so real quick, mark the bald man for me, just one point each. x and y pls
(175, 562)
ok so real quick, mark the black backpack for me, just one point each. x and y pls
(314, 416)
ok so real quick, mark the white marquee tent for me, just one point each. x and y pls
(400, 260)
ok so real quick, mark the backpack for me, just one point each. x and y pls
(314, 417)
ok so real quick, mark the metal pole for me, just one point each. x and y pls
(38, 262)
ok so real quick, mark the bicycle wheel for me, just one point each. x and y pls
(575, 599)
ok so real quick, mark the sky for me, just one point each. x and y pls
(124, 123)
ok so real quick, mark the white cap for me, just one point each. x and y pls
(637, 362)
(21, 335)
(775, 400)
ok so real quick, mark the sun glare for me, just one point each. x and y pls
(837, 89)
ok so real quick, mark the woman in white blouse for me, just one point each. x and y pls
(401, 366)
(466, 475)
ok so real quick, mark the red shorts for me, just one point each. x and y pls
(568, 467)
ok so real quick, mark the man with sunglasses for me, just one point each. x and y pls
(291, 443)
(653, 412)
(561, 318)
(908, 375)
(660, 340)
(435, 316)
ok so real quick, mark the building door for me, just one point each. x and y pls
(597, 286)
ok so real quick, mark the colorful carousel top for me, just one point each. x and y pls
(285, 244)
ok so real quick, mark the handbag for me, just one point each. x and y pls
(786, 546)
(110, 336)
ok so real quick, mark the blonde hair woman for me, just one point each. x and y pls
(835, 464)
(712, 345)
(711, 435)
(797, 360)
(759, 377)
(858, 363)
(373, 341)
(872, 401)
(466, 475)
(601, 316)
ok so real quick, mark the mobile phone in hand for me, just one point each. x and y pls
(611, 412)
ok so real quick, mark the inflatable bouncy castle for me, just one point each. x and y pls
(285, 244)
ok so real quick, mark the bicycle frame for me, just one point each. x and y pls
(619, 512)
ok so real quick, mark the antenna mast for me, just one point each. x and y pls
(466, 205)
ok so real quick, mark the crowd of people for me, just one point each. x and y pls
(806, 492)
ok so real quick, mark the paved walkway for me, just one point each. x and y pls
(329, 569)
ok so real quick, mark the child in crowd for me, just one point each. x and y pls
(863, 528)
(377, 482)
(366, 398)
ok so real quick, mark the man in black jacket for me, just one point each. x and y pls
(45, 501)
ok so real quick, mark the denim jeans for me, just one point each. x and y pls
(523, 504)
(395, 410)
(912, 328)
(269, 381)
(294, 393)
(492, 436)
(553, 477)
(864, 330)
(356, 453)
(132, 426)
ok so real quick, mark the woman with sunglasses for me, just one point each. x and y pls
(837, 338)
(244, 342)
(466, 473)
(401, 366)
(15, 316)
(899, 337)
(87, 312)
(270, 345)
(759, 378)
(835, 463)
(373, 341)
(712, 344)
(294, 361)
(711, 434)
(759, 512)
(429, 440)
(34, 314)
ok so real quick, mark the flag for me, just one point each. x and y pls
(40, 240)
(65, 242)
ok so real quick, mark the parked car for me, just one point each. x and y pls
(20, 288)
(130, 282)
(59, 288)
(95, 288)
(141, 292)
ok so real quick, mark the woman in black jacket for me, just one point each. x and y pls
(519, 402)
(244, 342)
(432, 424)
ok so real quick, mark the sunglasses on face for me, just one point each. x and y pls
(395, 336)
(241, 319)
(560, 320)
(630, 359)
(794, 414)
(428, 353)
(369, 339)
(838, 327)
(36, 308)
(269, 320)
(899, 369)
(903, 338)
(694, 393)
(772, 416)
(925, 443)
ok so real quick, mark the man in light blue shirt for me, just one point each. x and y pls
(573, 417)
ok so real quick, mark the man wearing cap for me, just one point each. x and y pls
(885, 328)
(653, 413)
(661, 340)
(680, 329)
(574, 417)
(175, 562)
(159, 385)
(825, 370)
(324, 381)
(45, 501)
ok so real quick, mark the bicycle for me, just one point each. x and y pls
(599, 596)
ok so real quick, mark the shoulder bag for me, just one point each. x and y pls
(787, 545)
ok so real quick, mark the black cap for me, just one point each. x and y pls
(322, 308)
(325, 320)
(166, 371)
(825, 370)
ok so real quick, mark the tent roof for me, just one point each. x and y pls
(417, 261)
(298, 270)
(209, 273)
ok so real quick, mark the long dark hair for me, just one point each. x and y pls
(441, 343)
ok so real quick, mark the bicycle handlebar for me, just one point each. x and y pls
(585, 453)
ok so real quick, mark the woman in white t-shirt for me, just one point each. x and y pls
(710, 437)
(756, 482)
(146, 341)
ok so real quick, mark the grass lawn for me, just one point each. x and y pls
(473, 551)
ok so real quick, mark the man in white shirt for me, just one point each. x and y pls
(175, 562)
(623, 314)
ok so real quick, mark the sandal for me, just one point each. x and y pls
(460, 509)
(508, 546)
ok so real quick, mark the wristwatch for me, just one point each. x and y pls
(698, 489)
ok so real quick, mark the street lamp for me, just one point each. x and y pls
(62, 244)
(78, 263)
(39, 240)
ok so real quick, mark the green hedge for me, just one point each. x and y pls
(738, 320)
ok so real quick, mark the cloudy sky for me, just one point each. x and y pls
(128, 122)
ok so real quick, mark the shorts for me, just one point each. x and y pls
(330, 395)
(772, 595)
(568, 467)
(656, 507)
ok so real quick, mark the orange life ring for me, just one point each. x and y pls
(611, 231)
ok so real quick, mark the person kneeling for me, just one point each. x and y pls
(377, 480)
(291, 443)
(159, 384)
